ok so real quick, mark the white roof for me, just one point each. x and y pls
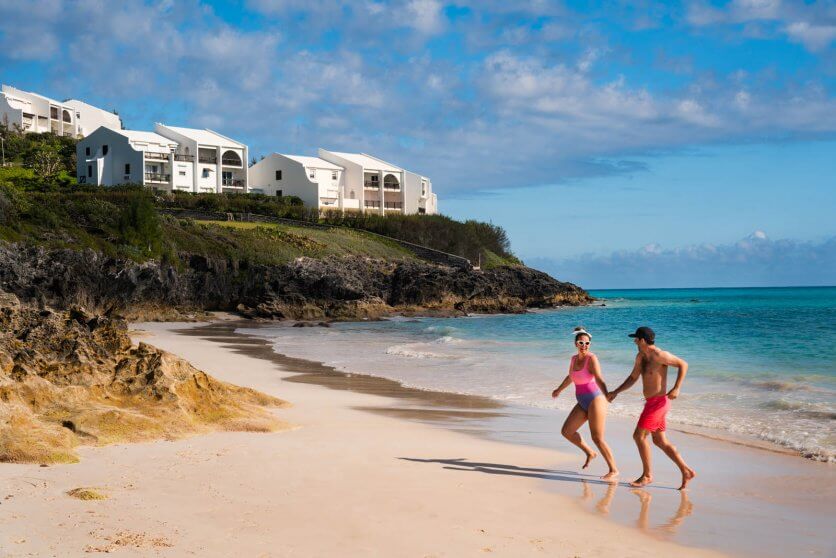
(312, 162)
(205, 137)
(11, 91)
(368, 162)
(146, 137)
(76, 103)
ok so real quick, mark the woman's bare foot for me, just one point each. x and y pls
(687, 476)
(589, 457)
(643, 480)
(612, 476)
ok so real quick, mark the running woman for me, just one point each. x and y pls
(591, 392)
(652, 365)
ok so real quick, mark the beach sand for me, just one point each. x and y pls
(344, 482)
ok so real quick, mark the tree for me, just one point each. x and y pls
(139, 224)
(44, 159)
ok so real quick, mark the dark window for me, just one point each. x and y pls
(333, 175)
(127, 168)
(104, 150)
(279, 192)
(87, 151)
(89, 171)
(278, 175)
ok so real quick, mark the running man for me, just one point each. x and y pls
(652, 365)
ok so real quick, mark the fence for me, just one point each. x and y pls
(423, 252)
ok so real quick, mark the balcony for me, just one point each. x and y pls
(187, 158)
(392, 188)
(157, 177)
(156, 156)
(231, 162)
(233, 182)
(393, 205)
(371, 185)
(208, 159)
(371, 204)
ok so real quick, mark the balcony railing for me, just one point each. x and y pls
(189, 158)
(156, 156)
(375, 185)
(371, 204)
(209, 159)
(231, 161)
(392, 205)
(157, 177)
(369, 184)
(391, 188)
(233, 182)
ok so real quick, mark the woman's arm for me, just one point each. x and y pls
(595, 370)
(566, 381)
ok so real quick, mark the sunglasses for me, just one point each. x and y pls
(585, 343)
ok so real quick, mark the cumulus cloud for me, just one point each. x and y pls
(755, 260)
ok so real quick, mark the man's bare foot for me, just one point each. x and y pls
(643, 480)
(687, 476)
(612, 476)
(589, 457)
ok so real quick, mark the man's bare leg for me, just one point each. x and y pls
(644, 511)
(662, 443)
(640, 436)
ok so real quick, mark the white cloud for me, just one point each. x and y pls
(813, 37)
(425, 15)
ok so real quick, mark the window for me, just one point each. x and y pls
(205, 173)
(375, 178)
(279, 192)
(182, 173)
(127, 168)
(333, 175)
(312, 173)
(278, 175)
(87, 151)
(104, 150)
(89, 171)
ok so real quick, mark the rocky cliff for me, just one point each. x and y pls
(307, 288)
(70, 378)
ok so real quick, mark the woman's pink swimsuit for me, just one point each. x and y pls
(586, 388)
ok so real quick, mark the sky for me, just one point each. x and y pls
(621, 144)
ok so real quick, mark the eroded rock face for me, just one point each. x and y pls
(306, 289)
(71, 377)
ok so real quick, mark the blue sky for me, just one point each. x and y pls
(620, 143)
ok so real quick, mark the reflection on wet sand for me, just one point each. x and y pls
(603, 505)
(668, 528)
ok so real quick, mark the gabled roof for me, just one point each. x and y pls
(145, 137)
(11, 91)
(312, 162)
(368, 162)
(205, 137)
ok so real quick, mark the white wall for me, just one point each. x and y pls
(89, 118)
(109, 169)
(351, 179)
(294, 182)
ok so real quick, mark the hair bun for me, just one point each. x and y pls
(579, 328)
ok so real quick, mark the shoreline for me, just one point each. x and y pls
(345, 481)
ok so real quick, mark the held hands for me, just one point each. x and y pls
(611, 395)
(673, 394)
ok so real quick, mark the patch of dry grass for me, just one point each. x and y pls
(82, 493)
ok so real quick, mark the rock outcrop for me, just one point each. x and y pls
(333, 288)
(70, 378)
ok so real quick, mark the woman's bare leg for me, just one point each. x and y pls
(597, 414)
(574, 421)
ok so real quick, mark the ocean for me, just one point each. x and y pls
(762, 360)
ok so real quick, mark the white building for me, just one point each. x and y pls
(219, 164)
(345, 181)
(108, 157)
(89, 118)
(316, 181)
(35, 113)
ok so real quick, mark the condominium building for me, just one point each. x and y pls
(219, 163)
(346, 182)
(315, 181)
(30, 112)
(108, 157)
(90, 118)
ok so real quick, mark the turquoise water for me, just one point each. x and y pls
(762, 361)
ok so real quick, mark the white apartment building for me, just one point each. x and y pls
(35, 113)
(219, 163)
(90, 118)
(315, 181)
(382, 187)
(346, 182)
(108, 157)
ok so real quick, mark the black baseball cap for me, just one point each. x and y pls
(645, 333)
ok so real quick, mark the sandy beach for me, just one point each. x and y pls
(367, 471)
